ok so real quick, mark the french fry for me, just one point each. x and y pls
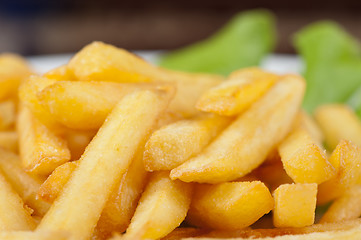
(104, 161)
(101, 62)
(28, 235)
(323, 231)
(347, 207)
(13, 70)
(338, 122)
(23, 184)
(28, 91)
(55, 183)
(244, 145)
(235, 95)
(62, 73)
(7, 115)
(346, 158)
(175, 143)
(84, 105)
(212, 206)
(13, 215)
(162, 207)
(295, 205)
(9, 141)
(41, 150)
(303, 160)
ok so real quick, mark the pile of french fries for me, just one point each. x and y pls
(112, 147)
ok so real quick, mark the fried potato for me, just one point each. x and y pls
(13, 70)
(28, 91)
(23, 184)
(303, 160)
(346, 207)
(235, 95)
(173, 144)
(28, 235)
(101, 62)
(41, 150)
(228, 206)
(244, 145)
(162, 207)
(295, 205)
(14, 215)
(62, 73)
(9, 141)
(84, 105)
(55, 183)
(346, 158)
(7, 115)
(338, 122)
(104, 161)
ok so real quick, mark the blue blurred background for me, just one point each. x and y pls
(50, 27)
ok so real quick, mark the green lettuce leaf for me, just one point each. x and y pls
(242, 42)
(332, 63)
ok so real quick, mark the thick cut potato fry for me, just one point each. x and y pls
(162, 207)
(55, 183)
(346, 158)
(85, 105)
(13, 70)
(235, 95)
(305, 121)
(28, 95)
(229, 206)
(338, 122)
(28, 235)
(7, 115)
(173, 144)
(62, 73)
(347, 207)
(23, 184)
(303, 160)
(104, 161)
(41, 150)
(244, 145)
(9, 141)
(295, 205)
(327, 231)
(14, 215)
(102, 62)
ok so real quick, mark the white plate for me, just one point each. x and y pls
(278, 63)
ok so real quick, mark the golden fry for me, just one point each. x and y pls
(7, 115)
(9, 141)
(244, 145)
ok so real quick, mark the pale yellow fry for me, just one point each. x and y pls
(235, 95)
(28, 235)
(7, 115)
(346, 207)
(84, 105)
(55, 183)
(106, 158)
(41, 150)
(14, 215)
(346, 158)
(9, 141)
(62, 73)
(173, 144)
(244, 145)
(228, 206)
(13, 70)
(28, 95)
(102, 62)
(162, 207)
(303, 159)
(24, 185)
(295, 205)
(338, 122)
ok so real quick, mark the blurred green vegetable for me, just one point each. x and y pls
(244, 41)
(333, 64)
